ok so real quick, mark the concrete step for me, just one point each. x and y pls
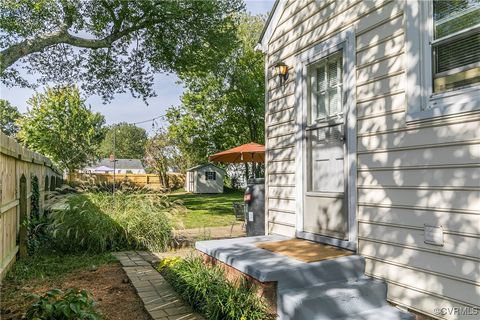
(332, 300)
(383, 313)
(318, 273)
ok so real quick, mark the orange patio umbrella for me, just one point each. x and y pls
(249, 152)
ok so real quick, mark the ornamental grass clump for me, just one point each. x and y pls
(98, 222)
(207, 290)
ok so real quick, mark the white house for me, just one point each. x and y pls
(373, 145)
(122, 166)
(374, 138)
(204, 178)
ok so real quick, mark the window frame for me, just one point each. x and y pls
(211, 177)
(422, 103)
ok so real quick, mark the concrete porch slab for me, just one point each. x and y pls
(263, 265)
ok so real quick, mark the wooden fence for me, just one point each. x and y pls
(151, 181)
(18, 169)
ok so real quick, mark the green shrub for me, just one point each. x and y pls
(207, 291)
(57, 305)
(98, 222)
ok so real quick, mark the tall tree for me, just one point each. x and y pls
(111, 46)
(60, 126)
(225, 108)
(8, 116)
(162, 154)
(127, 141)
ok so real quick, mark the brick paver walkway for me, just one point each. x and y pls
(159, 298)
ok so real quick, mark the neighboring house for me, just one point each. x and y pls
(204, 178)
(122, 166)
(375, 136)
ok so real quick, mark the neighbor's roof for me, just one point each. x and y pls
(119, 164)
(204, 165)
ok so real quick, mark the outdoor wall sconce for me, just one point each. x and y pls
(282, 71)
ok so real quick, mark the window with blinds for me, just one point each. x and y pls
(456, 44)
(325, 86)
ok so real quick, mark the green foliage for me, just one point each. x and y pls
(207, 290)
(109, 47)
(98, 222)
(35, 198)
(37, 235)
(162, 154)
(129, 141)
(225, 108)
(83, 226)
(8, 117)
(49, 266)
(60, 126)
(58, 305)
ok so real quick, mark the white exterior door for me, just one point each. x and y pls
(326, 175)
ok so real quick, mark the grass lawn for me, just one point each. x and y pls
(208, 210)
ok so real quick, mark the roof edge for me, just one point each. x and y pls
(204, 165)
(271, 22)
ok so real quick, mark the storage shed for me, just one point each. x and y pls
(204, 178)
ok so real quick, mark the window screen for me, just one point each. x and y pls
(325, 85)
(456, 45)
(210, 175)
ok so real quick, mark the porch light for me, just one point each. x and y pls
(282, 71)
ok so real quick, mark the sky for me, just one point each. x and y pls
(125, 108)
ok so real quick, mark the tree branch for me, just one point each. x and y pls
(22, 49)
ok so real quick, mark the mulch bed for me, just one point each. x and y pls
(115, 296)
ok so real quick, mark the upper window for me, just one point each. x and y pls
(325, 86)
(210, 175)
(456, 44)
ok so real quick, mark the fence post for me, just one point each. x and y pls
(22, 249)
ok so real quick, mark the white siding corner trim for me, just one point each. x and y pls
(344, 41)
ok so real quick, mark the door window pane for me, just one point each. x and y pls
(325, 88)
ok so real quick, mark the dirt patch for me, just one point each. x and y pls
(115, 296)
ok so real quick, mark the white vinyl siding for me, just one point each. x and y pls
(408, 174)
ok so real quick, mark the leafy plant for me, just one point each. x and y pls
(57, 305)
(35, 199)
(37, 235)
(207, 290)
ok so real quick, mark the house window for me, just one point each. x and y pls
(456, 44)
(210, 175)
(325, 86)
(443, 58)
